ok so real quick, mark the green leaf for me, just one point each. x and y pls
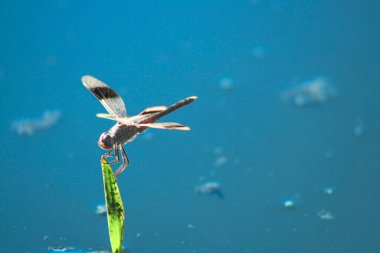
(115, 208)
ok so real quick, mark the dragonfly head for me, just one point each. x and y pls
(106, 141)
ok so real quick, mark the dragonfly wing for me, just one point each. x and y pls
(148, 112)
(111, 101)
(156, 116)
(153, 109)
(165, 125)
(106, 116)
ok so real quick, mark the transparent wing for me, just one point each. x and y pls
(153, 109)
(166, 125)
(147, 113)
(111, 101)
(106, 116)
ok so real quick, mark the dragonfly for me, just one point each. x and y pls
(127, 127)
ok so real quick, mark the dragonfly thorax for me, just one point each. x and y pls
(106, 141)
(123, 133)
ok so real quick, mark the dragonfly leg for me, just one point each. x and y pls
(115, 154)
(125, 163)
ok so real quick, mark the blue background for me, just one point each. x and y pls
(155, 53)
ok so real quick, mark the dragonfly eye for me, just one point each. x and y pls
(105, 141)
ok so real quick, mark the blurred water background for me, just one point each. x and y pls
(280, 167)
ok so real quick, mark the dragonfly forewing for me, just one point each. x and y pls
(111, 101)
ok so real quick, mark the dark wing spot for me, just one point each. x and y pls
(150, 112)
(104, 92)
